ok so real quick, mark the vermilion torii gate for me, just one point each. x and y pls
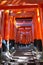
(37, 20)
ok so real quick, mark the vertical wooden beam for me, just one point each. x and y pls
(15, 30)
(6, 14)
(0, 35)
(2, 24)
(7, 27)
(35, 24)
(39, 24)
(0, 29)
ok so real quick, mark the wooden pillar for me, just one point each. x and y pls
(39, 28)
(15, 30)
(0, 35)
(35, 25)
(2, 25)
(41, 24)
(7, 27)
(1, 22)
(11, 28)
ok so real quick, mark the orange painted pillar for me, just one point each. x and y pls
(41, 23)
(11, 28)
(35, 24)
(2, 32)
(6, 24)
(7, 27)
(0, 29)
(39, 28)
(15, 30)
(0, 35)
